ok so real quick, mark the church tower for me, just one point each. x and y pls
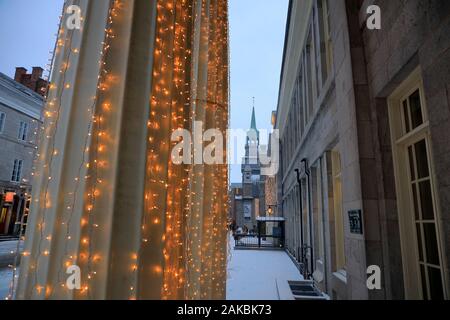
(251, 176)
(251, 164)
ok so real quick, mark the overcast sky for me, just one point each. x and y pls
(257, 41)
(28, 29)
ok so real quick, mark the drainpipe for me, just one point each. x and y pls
(308, 175)
(299, 181)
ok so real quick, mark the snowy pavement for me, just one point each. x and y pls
(252, 274)
(5, 281)
(8, 252)
(7, 256)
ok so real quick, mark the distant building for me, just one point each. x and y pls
(253, 198)
(236, 202)
(364, 120)
(20, 121)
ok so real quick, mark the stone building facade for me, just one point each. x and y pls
(364, 118)
(20, 121)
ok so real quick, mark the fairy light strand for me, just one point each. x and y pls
(52, 125)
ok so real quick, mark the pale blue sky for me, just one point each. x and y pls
(28, 30)
(28, 33)
(257, 41)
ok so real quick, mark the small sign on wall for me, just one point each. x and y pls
(355, 221)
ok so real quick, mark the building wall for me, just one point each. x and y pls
(239, 215)
(18, 104)
(236, 203)
(271, 194)
(348, 116)
(330, 125)
(414, 34)
(12, 148)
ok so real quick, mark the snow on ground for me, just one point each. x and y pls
(254, 240)
(7, 256)
(252, 273)
(5, 280)
(8, 252)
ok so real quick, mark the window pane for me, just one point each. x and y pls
(14, 173)
(411, 163)
(25, 129)
(416, 202)
(422, 160)
(20, 130)
(19, 170)
(406, 117)
(419, 242)
(416, 111)
(426, 200)
(2, 121)
(424, 282)
(431, 245)
(435, 278)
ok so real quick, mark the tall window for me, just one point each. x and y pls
(17, 171)
(325, 52)
(299, 107)
(2, 121)
(317, 174)
(338, 211)
(310, 75)
(418, 209)
(23, 131)
(302, 102)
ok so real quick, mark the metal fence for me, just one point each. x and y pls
(258, 241)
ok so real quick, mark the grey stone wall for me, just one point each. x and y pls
(414, 33)
(12, 148)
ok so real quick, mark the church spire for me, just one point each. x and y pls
(253, 133)
(253, 124)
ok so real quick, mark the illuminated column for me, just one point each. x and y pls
(107, 196)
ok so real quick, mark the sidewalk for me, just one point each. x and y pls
(252, 274)
(5, 281)
(8, 252)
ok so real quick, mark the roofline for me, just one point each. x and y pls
(29, 95)
(286, 37)
(22, 87)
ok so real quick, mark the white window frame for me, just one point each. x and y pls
(338, 208)
(400, 141)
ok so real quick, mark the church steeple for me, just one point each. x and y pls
(253, 124)
(251, 165)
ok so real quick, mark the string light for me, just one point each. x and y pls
(183, 227)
